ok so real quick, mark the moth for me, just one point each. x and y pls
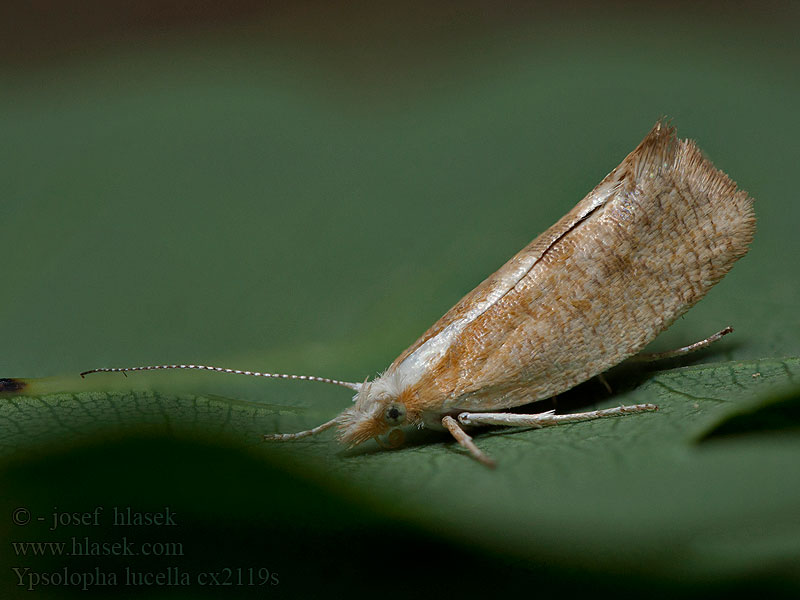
(590, 292)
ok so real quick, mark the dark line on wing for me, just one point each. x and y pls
(546, 250)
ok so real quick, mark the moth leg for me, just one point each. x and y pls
(394, 440)
(650, 357)
(604, 381)
(283, 437)
(549, 418)
(466, 441)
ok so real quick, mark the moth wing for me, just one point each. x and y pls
(645, 245)
(502, 281)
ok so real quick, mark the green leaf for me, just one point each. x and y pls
(628, 495)
(765, 414)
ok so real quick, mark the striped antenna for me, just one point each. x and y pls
(123, 370)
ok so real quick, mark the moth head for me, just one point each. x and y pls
(377, 408)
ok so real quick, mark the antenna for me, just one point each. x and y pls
(123, 370)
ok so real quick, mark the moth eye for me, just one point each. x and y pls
(395, 413)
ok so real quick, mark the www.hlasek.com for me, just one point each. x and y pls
(85, 546)
(32, 580)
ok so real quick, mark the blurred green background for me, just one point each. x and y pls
(306, 187)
